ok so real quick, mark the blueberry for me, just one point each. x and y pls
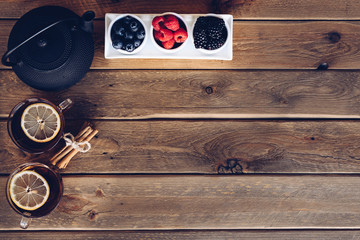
(134, 26)
(140, 34)
(117, 44)
(129, 35)
(120, 31)
(137, 43)
(114, 36)
(129, 47)
(127, 19)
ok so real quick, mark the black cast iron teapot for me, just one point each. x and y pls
(51, 48)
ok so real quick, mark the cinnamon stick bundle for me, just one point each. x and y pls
(62, 158)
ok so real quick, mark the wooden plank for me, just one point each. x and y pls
(199, 202)
(185, 234)
(128, 94)
(256, 45)
(291, 9)
(16, 8)
(241, 9)
(209, 147)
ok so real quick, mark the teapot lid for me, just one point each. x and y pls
(50, 49)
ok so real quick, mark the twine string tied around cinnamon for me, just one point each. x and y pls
(83, 146)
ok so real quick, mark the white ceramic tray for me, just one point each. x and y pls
(188, 51)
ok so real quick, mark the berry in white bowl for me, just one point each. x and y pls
(127, 34)
(169, 32)
(210, 33)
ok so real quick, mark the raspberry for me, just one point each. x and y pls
(172, 23)
(165, 35)
(180, 35)
(156, 22)
(169, 44)
(157, 35)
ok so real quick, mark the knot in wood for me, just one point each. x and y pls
(99, 193)
(323, 66)
(209, 90)
(232, 166)
(334, 37)
(92, 215)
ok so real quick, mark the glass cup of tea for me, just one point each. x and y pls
(36, 125)
(33, 190)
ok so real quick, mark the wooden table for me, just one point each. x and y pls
(263, 146)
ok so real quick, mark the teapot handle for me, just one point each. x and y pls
(4, 59)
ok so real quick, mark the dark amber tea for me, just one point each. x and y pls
(35, 125)
(34, 190)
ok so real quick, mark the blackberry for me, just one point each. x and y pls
(222, 40)
(215, 27)
(216, 23)
(214, 32)
(209, 33)
(201, 22)
(213, 44)
(200, 39)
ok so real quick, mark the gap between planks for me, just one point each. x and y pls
(227, 116)
(188, 234)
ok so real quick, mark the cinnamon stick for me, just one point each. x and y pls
(84, 128)
(65, 150)
(64, 162)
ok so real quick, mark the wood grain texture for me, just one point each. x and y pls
(128, 94)
(256, 45)
(137, 105)
(240, 9)
(264, 45)
(16, 8)
(199, 202)
(210, 147)
(290, 9)
(185, 235)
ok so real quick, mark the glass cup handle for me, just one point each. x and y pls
(65, 105)
(24, 222)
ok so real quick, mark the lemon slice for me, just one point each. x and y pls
(29, 190)
(40, 122)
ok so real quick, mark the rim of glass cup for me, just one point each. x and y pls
(20, 168)
(18, 107)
